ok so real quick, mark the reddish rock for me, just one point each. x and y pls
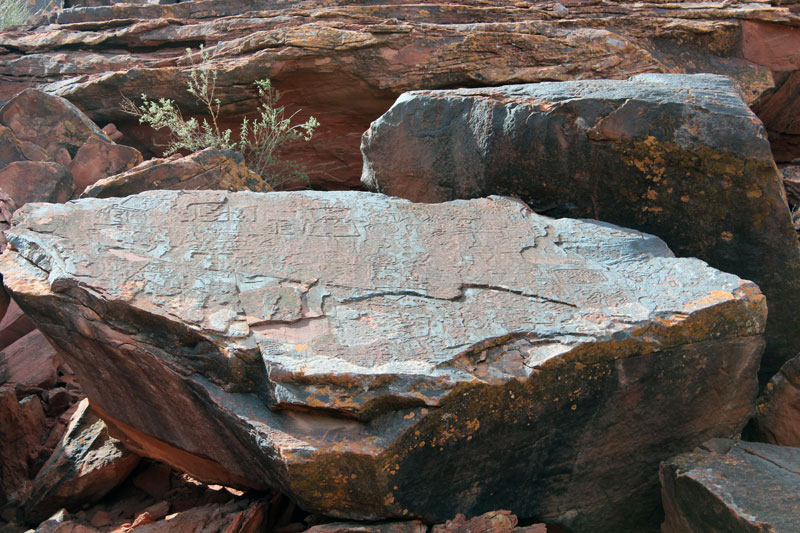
(157, 511)
(681, 157)
(241, 517)
(377, 359)
(85, 466)
(30, 363)
(49, 121)
(732, 486)
(7, 208)
(346, 62)
(155, 480)
(98, 159)
(491, 522)
(208, 169)
(778, 411)
(414, 526)
(14, 325)
(10, 147)
(101, 519)
(111, 131)
(22, 427)
(36, 181)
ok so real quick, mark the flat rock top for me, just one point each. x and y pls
(389, 293)
(711, 92)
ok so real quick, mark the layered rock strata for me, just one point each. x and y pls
(375, 358)
(345, 62)
(681, 157)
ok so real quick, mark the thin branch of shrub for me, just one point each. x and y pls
(261, 140)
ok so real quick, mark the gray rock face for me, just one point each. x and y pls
(681, 157)
(375, 358)
(736, 487)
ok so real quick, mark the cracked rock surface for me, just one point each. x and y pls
(678, 156)
(375, 358)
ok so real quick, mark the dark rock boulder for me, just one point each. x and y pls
(732, 486)
(375, 358)
(346, 61)
(208, 169)
(84, 467)
(681, 157)
(22, 429)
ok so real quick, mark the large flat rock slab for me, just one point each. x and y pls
(375, 358)
(732, 486)
(681, 157)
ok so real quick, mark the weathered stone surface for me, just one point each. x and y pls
(732, 486)
(414, 526)
(10, 147)
(98, 159)
(231, 517)
(369, 356)
(22, 426)
(208, 169)
(681, 157)
(346, 61)
(493, 521)
(14, 325)
(48, 121)
(7, 208)
(791, 182)
(778, 418)
(36, 181)
(30, 363)
(85, 466)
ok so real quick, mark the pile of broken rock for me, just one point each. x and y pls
(488, 348)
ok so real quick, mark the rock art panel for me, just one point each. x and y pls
(681, 157)
(369, 356)
(735, 486)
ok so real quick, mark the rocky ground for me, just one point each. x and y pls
(575, 301)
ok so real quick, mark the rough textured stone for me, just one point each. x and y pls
(493, 521)
(778, 418)
(224, 518)
(30, 363)
(208, 169)
(10, 147)
(22, 427)
(14, 325)
(7, 208)
(791, 182)
(85, 466)
(736, 487)
(414, 526)
(346, 61)
(48, 121)
(367, 355)
(681, 157)
(98, 159)
(36, 181)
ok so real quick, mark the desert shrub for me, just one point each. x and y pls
(13, 12)
(260, 140)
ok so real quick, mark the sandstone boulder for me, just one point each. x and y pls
(30, 363)
(374, 358)
(97, 159)
(14, 325)
(207, 169)
(85, 466)
(732, 486)
(36, 181)
(345, 62)
(681, 157)
(414, 526)
(50, 122)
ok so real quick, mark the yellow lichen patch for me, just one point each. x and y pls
(726, 236)
(714, 297)
(300, 347)
(754, 193)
